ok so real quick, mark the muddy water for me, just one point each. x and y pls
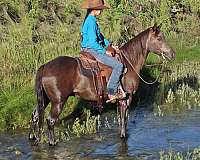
(148, 135)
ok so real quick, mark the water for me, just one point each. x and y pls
(148, 135)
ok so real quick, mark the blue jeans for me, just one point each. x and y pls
(116, 66)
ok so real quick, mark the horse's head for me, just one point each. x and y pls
(157, 44)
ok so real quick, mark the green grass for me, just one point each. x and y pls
(16, 108)
(17, 95)
(188, 54)
(182, 54)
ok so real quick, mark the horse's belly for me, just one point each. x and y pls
(85, 89)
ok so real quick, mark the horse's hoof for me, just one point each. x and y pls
(35, 139)
(32, 137)
(36, 143)
(123, 136)
(52, 143)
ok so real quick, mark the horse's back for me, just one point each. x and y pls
(60, 65)
(62, 61)
(59, 75)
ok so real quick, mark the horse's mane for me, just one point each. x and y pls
(136, 46)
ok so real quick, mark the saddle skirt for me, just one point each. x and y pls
(89, 62)
(99, 72)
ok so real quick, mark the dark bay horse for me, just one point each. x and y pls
(61, 78)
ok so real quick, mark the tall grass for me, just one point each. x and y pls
(35, 31)
(179, 89)
(88, 126)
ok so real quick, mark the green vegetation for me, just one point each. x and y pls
(88, 126)
(15, 108)
(193, 155)
(33, 32)
(179, 87)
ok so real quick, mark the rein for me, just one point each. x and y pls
(149, 83)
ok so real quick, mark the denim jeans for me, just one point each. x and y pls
(116, 66)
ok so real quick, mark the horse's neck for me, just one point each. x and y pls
(136, 52)
(140, 63)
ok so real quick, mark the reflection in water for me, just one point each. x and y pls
(148, 135)
(123, 148)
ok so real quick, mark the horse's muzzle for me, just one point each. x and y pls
(170, 56)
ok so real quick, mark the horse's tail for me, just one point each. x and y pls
(40, 92)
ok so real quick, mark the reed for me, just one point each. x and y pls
(171, 155)
(184, 83)
(89, 126)
(180, 88)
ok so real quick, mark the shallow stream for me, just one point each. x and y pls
(148, 135)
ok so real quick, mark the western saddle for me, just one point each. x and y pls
(89, 66)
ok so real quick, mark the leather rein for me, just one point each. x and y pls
(149, 83)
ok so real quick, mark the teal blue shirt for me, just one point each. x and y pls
(92, 37)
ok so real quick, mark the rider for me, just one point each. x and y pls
(95, 43)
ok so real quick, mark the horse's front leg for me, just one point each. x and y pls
(123, 118)
(123, 107)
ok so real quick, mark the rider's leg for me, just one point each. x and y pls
(117, 67)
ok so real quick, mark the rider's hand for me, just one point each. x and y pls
(109, 53)
(116, 48)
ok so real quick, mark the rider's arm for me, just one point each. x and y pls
(93, 38)
(106, 42)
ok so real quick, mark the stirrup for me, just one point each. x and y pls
(121, 91)
(117, 96)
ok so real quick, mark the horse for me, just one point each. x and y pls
(61, 77)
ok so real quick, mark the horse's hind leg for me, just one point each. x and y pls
(38, 118)
(56, 109)
(34, 123)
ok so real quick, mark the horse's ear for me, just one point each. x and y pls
(159, 26)
(154, 28)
